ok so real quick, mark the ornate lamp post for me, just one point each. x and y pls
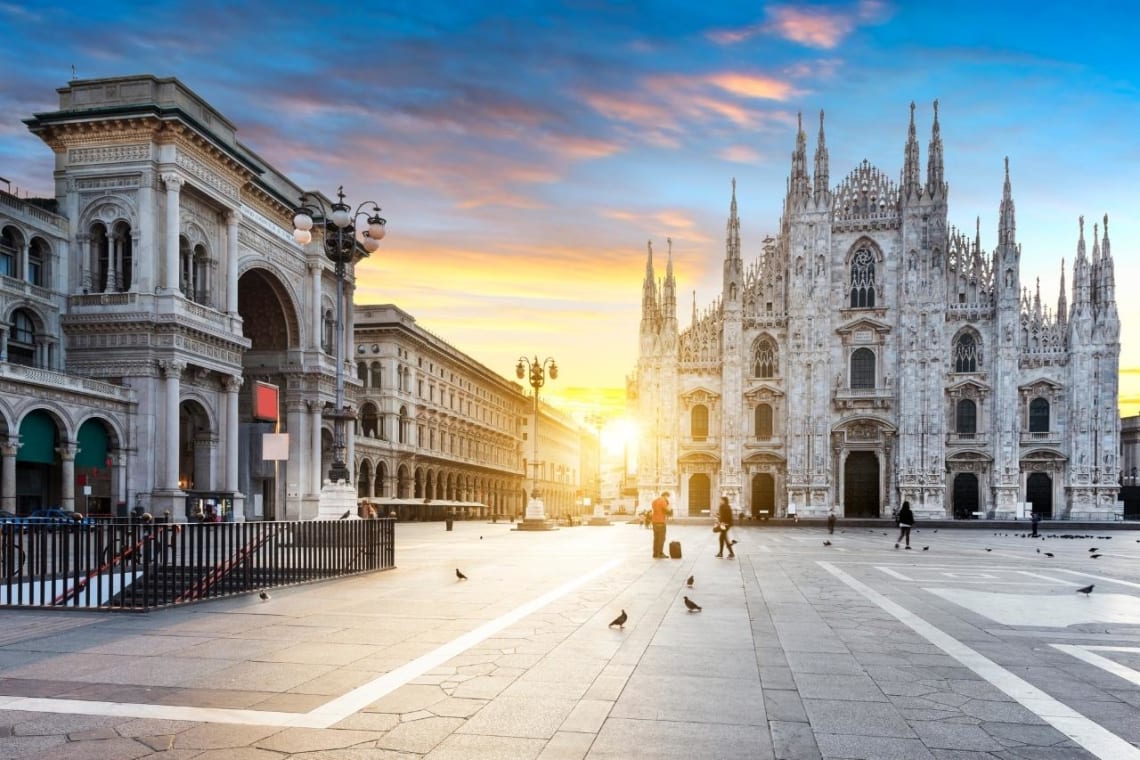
(535, 512)
(341, 246)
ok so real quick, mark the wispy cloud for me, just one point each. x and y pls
(819, 27)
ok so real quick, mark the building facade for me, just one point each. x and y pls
(873, 354)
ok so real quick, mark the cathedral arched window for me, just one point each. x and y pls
(966, 418)
(863, 368)
(1039, 416)
(966, 353)
(863, 280)
(699, 422)
(763, 419)
(764, 364)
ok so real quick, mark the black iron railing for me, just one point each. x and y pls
(132, 566)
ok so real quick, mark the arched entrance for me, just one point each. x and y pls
(861, 485)
(763, 495)
(38, 471)
(965, 495)
(1039, 493)
(93, 468)
(700, 494)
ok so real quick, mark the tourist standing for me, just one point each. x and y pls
(658, 513)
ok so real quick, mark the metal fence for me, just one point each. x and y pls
(131, 566)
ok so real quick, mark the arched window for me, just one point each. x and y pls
(22, 339)
(328, 326)
(699, 420)
(763, 422)
(1039, 416)
(121, 258)
(9, 252)
(38, 254)
(404, 423)
(377, 375)
(765, 364)
(966, 418)
(863, 280)
(965, 353)
(362, 373)
(863, 368)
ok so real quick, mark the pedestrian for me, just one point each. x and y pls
(906, 522)
(724, 516)
(1034, 519)
(831, 521)
(658, 513)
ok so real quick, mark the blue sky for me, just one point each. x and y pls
(524, 152)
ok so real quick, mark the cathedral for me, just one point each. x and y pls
(874, 354)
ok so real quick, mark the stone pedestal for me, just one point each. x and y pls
(535, 517)
(336, 499)
(599, 517)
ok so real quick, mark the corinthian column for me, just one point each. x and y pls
(173, 391)
(232, 385)
(233, 222)
(67, 454)
(173, 189)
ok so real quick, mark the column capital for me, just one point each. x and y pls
(233, 216)
(9, 448)
(315, 405)
(172, 181)
(171, 368)
(67, 451)
(232, 383)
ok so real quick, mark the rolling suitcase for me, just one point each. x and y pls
(674, 550)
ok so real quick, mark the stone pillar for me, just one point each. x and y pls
(350, 449)
(173, 190)
(84, 241)
(173, 392)
(233, 222)
(8, 475)
(315, 270)
(118, 481)
(231, 385)
(67, 454)
(316, 477)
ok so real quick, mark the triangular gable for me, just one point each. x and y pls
(699, 395)
(864, 323)
(764, 391)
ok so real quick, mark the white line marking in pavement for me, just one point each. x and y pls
(1043, 577)
(1083, 653)
(1101, 578)
(1090, 735)
(893, 573)
(327, 714)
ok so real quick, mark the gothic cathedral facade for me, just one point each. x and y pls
(873, 354)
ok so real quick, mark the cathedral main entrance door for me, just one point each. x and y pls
(861, 485)
(1039, 492)
(700, 494)
(763, 496)
(965, 495)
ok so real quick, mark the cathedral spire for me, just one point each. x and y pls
(649, 292)
(935, 184)
(822, 172)
(694, 308)
(799, 189)
(732, 233)
(1107, 274)
(910, 179)
(1007, 225)
(669, 292)
(1081, 286)
(1062, 301)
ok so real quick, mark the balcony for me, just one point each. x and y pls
(58, 381)
(863, 398)
(967, 439)
(1048, 438)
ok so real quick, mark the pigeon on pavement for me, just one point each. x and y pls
(619, 621)
(1087, 589)
(926, 548)
(693, 606)
(827, 543)
(989, 549)
(459, 574)
(1048, 554)
(264, 596)
(1092, 550)
(689, 582)
(1095, 556)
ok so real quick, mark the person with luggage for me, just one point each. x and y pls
(724, 517)
(658, 513)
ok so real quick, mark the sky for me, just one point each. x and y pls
(525, 152)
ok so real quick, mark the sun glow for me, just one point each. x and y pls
(617, 435)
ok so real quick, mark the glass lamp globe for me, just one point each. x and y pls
(304, 237)
(340, 217)
(303, 221)
(370, 243)
(376, 229)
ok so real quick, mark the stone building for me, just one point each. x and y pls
(438, 430)
(873, 354)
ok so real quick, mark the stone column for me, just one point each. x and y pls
(233, 222)
(173, 190)
(315, 475)
(231, 384)
(67, 454)
(350, 449)
(119, 481)
(173, 392)
(8, 475)
(84, 241)
(315, 271)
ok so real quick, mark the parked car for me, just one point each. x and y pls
(57, 516)
(10, 521)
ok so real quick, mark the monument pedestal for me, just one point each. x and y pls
(599, 516)
(336, 499)
(535, 517)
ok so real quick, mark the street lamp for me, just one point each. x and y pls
(537, 371)
(341, 246)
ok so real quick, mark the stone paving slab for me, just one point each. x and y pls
(784, 661)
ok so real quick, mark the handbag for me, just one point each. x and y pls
(718, 527)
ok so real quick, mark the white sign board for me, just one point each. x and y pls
(274, 446)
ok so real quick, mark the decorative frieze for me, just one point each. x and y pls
(108, 154)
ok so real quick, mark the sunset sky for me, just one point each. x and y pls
(524, 152)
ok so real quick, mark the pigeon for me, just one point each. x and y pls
(1087, 589)
(459, 574)
(926, 548)
(264, 596)
(689, 582)
(827, 543)
(989, 549)
(693, 606)
(619, 621)
(1048, 554)
(1038, 551)
(1095, 556)
(1092, 550)
(936, 530)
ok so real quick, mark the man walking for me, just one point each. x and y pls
(831, 521)
(658, 513)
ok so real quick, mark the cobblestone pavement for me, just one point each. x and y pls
(976, 647)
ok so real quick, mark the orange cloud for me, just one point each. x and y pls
(740, 154)
(816, 27)
(753, 86)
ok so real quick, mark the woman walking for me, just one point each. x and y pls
(906, 522)
(724, 516)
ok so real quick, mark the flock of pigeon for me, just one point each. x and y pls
(690, 605)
